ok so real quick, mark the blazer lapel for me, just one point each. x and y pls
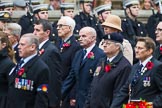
(26, 67)
(89, 59)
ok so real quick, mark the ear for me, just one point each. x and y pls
(33, 47)
(127, 10)
(48, 32)
(4, 45)
(150, 51)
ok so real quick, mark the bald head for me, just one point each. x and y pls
(87, 37)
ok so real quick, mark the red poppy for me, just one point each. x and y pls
(130, 105)
(41, 51)
(21, 71)
(161, 49)
(90, 55)
(107, 68)
(65, 45)
(149, 65)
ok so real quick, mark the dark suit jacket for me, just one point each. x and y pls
(6, 65)
(105, 85)
(51, 57)
(152, 93)
(67, 54)
(37, 72)
(82, 75)
(17, 57)
(157, 53)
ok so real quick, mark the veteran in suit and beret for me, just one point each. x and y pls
(28, 84)
(145, 80)
(110, 75)
(83, 66)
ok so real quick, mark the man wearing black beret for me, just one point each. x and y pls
(111, 73)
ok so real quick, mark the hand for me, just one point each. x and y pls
(72, 102)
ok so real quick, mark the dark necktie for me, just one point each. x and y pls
(136, 76)
(61, 43)
(19, 65)
(84, 53)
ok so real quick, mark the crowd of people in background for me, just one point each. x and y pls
(81, 60)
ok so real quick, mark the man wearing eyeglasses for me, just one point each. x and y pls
(158, 50)
(111, 73)
(51, 56)
(68, 46)
(145, 80)
(13, 31)
(83, 66)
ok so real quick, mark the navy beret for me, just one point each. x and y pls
(116, 37)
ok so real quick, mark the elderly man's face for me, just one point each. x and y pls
(158, 33)
(110, 48)
(63, 29)
(86, 38)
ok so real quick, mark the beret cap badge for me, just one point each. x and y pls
(6, 15)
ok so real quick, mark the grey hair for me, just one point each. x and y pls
(32, 39)
(15, 29)
(120, 46)
(69, 21)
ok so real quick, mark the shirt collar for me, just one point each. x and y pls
(89, 49)
(28, 58)
(146, 61)
(111, 59)
(41, 44)
(66, 39)
(13, 46)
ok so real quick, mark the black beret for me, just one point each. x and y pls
(116, 37)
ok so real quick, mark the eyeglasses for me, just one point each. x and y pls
(158, 29)
(61, 25)
(107, 43)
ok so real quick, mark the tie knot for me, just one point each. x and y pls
(84, 51)
(140, 67)
(21, 62)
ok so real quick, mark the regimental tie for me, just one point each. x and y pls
(136, 76)
(84, 51)
(19, 65)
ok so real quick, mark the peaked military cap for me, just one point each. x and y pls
(127, 3)
(116, 37)
(5, 16)
(6, 4)
(33, 2)
(85, 1)
(103, 8)
(19, 3)
(41, 7)
(157, 1)
(67, 6)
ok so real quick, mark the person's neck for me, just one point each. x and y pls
(67, 36)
